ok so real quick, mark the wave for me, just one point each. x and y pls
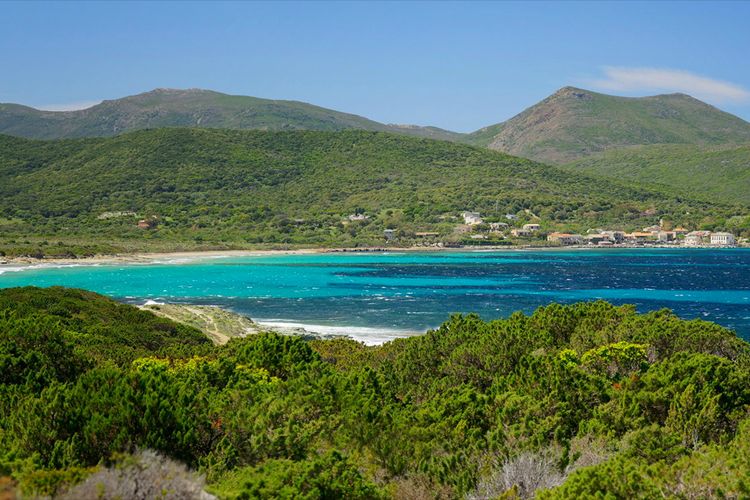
(151, 302)
(365, 334)
(187, 259)
(32, 267)
(14, 269)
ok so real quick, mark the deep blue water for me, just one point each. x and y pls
(377, 296)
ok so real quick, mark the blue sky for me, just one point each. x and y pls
(459, 66)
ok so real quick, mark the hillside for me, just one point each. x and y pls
(101, 328)
(580, 401)
(711, 173)
(574, 123)
(238, 188)
(190, 108)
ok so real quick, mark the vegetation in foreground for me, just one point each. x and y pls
(572, 401)
(223, 189)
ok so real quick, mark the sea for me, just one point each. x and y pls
(376, 297)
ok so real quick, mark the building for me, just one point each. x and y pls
(146, 223)
(615, 236)
(652, 229)
(697, 238)
(666, 236)
(356, 217)
(426, 235)
(471, 218)
(389, 234)
(498, 226)
(520, 233)
(565, 238)
(597, 239)
(511, 216)
(722, 239)
(680, 230)
(532, 227)
(640, 236)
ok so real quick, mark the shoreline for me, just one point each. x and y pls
(187, 256)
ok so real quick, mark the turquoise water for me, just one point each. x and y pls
(377, 296)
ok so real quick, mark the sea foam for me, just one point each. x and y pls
(367, 335)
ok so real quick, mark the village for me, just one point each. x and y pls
(660, 234)
(476, 231)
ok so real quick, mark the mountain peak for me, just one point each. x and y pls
(168, 90)
(567, 90)
(571, 92)
(573, 123)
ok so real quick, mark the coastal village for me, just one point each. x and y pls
(660, 234)
(471, 229)
(475, 230)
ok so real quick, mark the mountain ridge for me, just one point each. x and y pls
(570, 124)
(701, 172)
(166, 107)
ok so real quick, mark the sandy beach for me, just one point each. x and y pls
(153, 256)
(148, 257)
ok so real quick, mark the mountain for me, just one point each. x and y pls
(239, 188)
(190, 108)
(574, 123)
(713, 173)
(571, 124)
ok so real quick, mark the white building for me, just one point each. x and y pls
(697, 238)
(498, 226)
(722, 239)
(532, 227)
(520, 233)
(471, 218)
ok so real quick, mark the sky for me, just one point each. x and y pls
(459, 66)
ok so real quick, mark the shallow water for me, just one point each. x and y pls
(379, 296)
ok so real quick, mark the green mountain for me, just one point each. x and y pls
(589, 400)
(224, 188)
(711, 173)
(575, 123)
(190, 108)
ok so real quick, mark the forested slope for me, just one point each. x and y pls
(237, 188)
(572, 401)
(717, 174)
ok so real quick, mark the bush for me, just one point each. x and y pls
(143, 476)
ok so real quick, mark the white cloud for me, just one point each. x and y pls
(670, 80)
(71, 106)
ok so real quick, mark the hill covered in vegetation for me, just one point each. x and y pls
(699, 172)
(190, 108)
(575, 123)
(222, 188)
(569, 402)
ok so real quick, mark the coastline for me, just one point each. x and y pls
(187, 256)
